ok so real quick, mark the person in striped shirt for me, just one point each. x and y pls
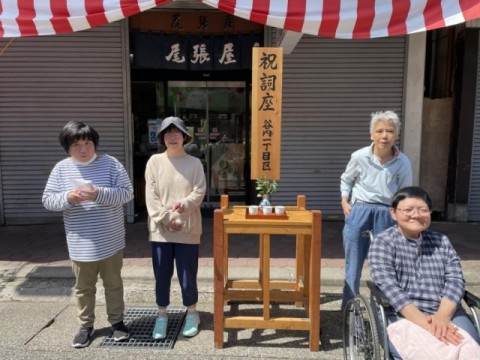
(91, 189)
(419, 272)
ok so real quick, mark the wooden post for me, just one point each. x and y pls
(267, 71)
(224, 201)
(314, 281)
(300, 265)
(219, 283)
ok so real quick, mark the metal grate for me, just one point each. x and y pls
(140, 322)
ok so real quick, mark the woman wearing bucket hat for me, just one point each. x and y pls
(175, 188)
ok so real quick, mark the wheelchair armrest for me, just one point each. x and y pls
(378, 294)
(471, 299)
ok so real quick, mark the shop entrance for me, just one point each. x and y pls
(217, 117)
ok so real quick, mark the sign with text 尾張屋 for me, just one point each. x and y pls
(267, 71)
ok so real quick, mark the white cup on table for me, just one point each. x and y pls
(253, 210)
(267, 210)
(279, 209)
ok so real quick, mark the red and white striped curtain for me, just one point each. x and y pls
(349, 19)
(49, 17)
(326, 18)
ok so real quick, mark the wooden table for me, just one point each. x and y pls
(306, 225)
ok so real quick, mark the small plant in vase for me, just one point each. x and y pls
(265, 187)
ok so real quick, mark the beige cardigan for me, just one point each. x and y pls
(169, 180)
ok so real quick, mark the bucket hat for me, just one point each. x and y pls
(178, 123)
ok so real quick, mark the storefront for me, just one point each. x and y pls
(197, 66)
(117, 77)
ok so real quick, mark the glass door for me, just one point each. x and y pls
(215, 114)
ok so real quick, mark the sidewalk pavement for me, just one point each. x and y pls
(37, 305)
(41, 251)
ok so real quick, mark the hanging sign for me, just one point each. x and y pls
(195, 53)
(267, 71)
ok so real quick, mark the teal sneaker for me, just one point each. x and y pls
(160, 329)
(190, 328)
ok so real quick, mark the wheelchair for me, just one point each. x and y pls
(365, 323)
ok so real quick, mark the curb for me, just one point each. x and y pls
(329, 276)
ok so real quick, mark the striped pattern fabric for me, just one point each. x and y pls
(348, 19)
(94, 230)
(353, 19)
(48, 17)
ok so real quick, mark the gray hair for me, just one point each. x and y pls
(385, 116)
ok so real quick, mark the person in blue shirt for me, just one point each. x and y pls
(373, 174)
(419, 271)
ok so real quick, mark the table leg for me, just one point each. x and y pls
(300, 266)
(260, 257)
(314, 281)
(265, 270)
(219, 278)
(307, 245)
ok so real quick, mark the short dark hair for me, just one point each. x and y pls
(77, 130)
(411, 192)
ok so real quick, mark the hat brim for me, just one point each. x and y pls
(178, 123)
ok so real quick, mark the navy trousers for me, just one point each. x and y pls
(185, 257)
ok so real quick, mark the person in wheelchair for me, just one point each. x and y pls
(420, 273)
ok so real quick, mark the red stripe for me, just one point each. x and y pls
(365, 17)
(128, 8)
(60, 16)
(295, 15)
(2, 32)
(26, 13)
(227, 5)
(260, 10)
(397, 24)
(330, 18)
(95, 13)
(433, 14)
(470, 9)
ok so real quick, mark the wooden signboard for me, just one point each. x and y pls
(267, 71)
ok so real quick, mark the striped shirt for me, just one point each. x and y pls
(94, 230)
(422, 276)
(367, 180)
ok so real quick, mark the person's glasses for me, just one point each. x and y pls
(409, 211)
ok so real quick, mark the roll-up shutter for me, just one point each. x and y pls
(45, 82)
(474, 193)
(330, 88)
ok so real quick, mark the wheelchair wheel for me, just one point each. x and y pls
(360, 332)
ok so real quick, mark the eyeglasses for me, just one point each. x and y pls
(410, 211)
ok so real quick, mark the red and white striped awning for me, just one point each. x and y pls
(49, 17)
(326, 18)
(349, 19)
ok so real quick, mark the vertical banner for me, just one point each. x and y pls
(267, 71)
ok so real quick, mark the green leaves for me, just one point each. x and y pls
(265, 186)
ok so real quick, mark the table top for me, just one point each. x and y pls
(236, 215)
